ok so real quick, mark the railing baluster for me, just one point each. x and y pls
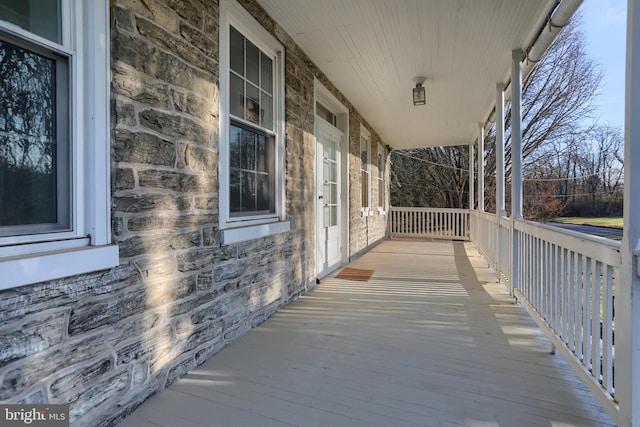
(579, 304)
(586, 318)
(570, 299)
(429, 222)
(596, 267)
(607, 330)
(564, 321)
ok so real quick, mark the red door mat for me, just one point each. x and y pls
(355, 274)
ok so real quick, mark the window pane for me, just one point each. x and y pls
(266, 114)
(32, 189)
(327, 115)
(253, 63)
(252, 168)
(364, 182)
(266, 71)
(364, 155)
(262, 154)
(236, 96)
(264, 193)
(248, 151)
(236, 51)
(235, 135)
(253, 104)
(248, 194)
(41, 17)
(235, 190)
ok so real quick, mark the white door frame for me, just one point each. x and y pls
(328, 237)
(329, 101)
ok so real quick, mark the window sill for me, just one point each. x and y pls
(367, 212)
(242, 234)
(382, 212)
(29, 269)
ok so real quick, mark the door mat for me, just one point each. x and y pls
(355, 274)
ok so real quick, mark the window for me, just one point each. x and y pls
(251, 128)
(365, 171)
(327, 115)
(54, 140)
(381, 163)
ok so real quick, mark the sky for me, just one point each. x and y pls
(604, 27)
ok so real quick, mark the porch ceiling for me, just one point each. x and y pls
(372, 49)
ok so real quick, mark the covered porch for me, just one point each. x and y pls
(431, 338)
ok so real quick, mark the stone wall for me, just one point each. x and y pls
(106, 341)
(364, 231)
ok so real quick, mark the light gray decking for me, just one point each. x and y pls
(430, 340)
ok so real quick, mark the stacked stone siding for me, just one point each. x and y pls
(106, 341)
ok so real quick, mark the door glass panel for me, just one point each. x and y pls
(333, 212)
(333, 149)
(333, 172)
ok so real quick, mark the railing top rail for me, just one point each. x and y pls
(487, 215)
(599, 248)
(446, 210)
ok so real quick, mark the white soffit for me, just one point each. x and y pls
(372, 49)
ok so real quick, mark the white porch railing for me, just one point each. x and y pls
(430, 223)
(566, 281)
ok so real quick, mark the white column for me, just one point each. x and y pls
(500, 209)
(516, 135)
(481, 168)
(627, 302)
(516, 163)
(472, 178)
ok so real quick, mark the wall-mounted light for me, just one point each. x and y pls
(419, 94)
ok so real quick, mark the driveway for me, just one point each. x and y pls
(610, 233)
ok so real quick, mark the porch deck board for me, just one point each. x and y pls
(430, 340)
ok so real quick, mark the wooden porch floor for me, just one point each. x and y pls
(430, 340)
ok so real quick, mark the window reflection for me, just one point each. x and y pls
(252, 166)
(28, 146)
(41, 17)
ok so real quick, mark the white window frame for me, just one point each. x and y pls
(238, 229)
(366, 136)
(382, 204)
(87, 247)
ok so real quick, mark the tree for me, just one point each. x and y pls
(557, 96)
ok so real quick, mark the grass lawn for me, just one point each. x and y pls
(613, 222)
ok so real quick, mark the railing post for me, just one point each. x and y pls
(481, 168)
(627, 292)
(516, 160)
(472, 189)
(500, 208)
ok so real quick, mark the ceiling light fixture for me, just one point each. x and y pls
(419, 94)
